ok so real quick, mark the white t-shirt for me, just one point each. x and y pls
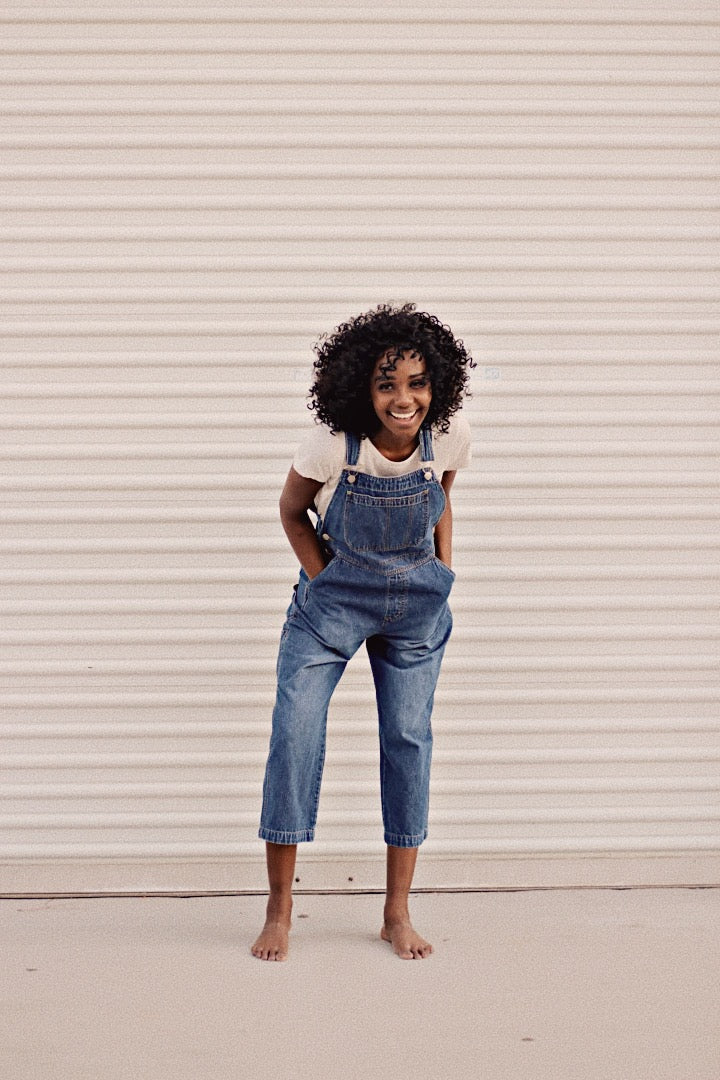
(321, 456)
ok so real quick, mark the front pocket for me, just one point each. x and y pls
(444, 566)
(325, 572)
(385, 523)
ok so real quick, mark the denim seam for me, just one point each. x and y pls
(402, 840)
(383, 770)
(318, 783)
(275, 836)
(406, 483)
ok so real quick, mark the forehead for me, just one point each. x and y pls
(413, 363)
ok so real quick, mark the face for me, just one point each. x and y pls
(401, 392)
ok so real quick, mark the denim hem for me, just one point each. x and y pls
(276, 837)
(398, 840)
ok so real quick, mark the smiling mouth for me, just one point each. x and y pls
(404, 416)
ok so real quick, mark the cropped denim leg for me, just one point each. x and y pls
(406, 674)
(308, 672)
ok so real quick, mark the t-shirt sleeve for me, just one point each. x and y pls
(320, 454)
(455, 448)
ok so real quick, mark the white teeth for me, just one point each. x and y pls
(403, 416)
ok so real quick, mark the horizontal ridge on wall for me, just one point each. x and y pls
(346, 846)
(557, 12)
(322, 137)
(230, 819)
(639, 787)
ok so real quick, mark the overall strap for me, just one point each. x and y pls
(352, 448)
(426, 446)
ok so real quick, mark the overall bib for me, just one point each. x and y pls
(383, 586)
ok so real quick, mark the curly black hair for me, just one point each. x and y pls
(340, 395)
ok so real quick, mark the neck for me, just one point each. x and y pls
(394, 449)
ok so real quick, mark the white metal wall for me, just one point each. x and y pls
(188, 198)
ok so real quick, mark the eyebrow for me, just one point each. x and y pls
(389, 377)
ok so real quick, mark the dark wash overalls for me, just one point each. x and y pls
(383, 586)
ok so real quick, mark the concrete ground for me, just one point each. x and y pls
(586, 984)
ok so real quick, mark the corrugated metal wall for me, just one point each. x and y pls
(188, 198)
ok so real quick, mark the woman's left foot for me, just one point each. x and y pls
(406, 942)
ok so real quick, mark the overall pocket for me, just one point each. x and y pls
(385, 522)
(444, 568)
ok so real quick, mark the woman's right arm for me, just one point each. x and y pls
(297, 497)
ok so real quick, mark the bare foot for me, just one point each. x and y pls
(273, 941)
(406, 941)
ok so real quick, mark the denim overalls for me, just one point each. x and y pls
(383, 586)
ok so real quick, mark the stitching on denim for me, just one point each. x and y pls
(400, 840)
(403, 482)
(318, 783)
(426, 444)
(276, 836)
(399, 591)
(352, 448)
(418, 507)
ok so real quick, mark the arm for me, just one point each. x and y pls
(443, 529)
(296, 499)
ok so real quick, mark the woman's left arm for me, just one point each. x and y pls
(443, 529)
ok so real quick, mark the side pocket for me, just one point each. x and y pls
(444, 567)
(325, 572)
(447, 577)
(301, 590)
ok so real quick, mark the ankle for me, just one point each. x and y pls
(396, 909)
(279, 905)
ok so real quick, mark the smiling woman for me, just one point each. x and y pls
(374, 570)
